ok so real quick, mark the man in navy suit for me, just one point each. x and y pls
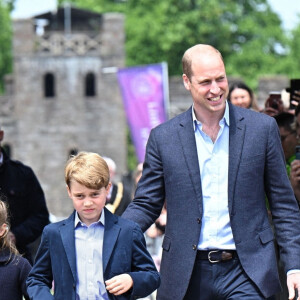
(93, 254)
(214, 165)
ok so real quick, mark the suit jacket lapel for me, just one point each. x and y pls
(236, 141)
(111, 233)
(188, 144)
(68, 240)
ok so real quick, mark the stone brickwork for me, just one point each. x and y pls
(43, 131)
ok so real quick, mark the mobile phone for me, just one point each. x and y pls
(274, 100)
(297, 152)
(294, 86)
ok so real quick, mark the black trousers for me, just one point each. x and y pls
(220, 281)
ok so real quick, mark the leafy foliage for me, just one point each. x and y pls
(292, 63)
(5, 40)
(248, 33)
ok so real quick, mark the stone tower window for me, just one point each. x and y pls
(49, 85)
(90, 85)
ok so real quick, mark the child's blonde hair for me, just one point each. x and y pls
(5, 242)
(88, 169)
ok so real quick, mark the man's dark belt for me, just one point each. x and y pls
(215, 256)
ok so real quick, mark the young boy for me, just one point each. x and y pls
(93, 254)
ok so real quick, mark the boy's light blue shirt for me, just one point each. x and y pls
(89, 248)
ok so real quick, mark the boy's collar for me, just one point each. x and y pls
(78, 221)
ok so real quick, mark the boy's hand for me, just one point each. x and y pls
(119, 284)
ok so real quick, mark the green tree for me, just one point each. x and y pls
(259, 43)
(292, 62)
(248, 33)
(5, 40)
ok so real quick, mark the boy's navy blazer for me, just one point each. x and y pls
(124, 251)
(256, 169)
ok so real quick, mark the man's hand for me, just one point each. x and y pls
(295, 172)
(295, 101)
(296, 97)
(293, 282)
(119, 284)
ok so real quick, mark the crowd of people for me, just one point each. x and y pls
(218, 184)
(288, 121)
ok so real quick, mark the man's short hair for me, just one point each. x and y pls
(88, 169)
(190, 53)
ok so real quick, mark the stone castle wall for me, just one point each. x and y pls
(43, 131)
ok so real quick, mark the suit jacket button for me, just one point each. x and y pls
(194, 247)
(198, 220)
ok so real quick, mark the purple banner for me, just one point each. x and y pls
(145, 98)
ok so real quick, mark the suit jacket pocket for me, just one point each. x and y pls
(166, 243)
(266, 236)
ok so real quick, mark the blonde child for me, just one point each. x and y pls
(93, 254)
(14, 269)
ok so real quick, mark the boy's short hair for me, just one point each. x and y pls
(88, 169)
